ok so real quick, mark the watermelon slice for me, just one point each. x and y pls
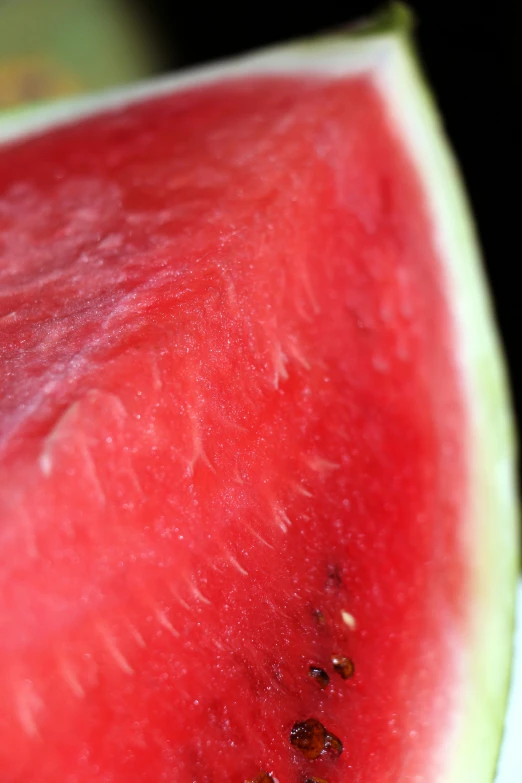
(257, 507)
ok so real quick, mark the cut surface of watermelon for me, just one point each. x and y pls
(257, 514)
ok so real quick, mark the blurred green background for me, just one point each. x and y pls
(52, 48)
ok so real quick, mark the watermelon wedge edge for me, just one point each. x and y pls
(385, 51)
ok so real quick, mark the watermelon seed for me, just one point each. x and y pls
(348, 619)
(264, 777)
(316, 780)
(319, 675)
(343, 666)
(333, 744)
(312, 739)
(319, 617)
(334, 579)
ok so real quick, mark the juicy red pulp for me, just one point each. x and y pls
(231, 444)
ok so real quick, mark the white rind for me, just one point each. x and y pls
(493, 513)
(361, 56)
(510, 762)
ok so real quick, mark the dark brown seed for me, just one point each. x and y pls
(312, 739)
(343, 666)
(319, 617)
(264, 777)
(316, 780)
(334, 580)
(309, 737)
(333, 744)
(320, 676)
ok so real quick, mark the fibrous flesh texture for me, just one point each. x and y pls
(232, 444)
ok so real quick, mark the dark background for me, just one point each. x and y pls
(471, 53)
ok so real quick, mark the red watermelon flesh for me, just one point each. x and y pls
(232, 444)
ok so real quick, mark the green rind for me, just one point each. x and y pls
(495, 460)
(385, 50)
(395, 18)
(493, 457)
